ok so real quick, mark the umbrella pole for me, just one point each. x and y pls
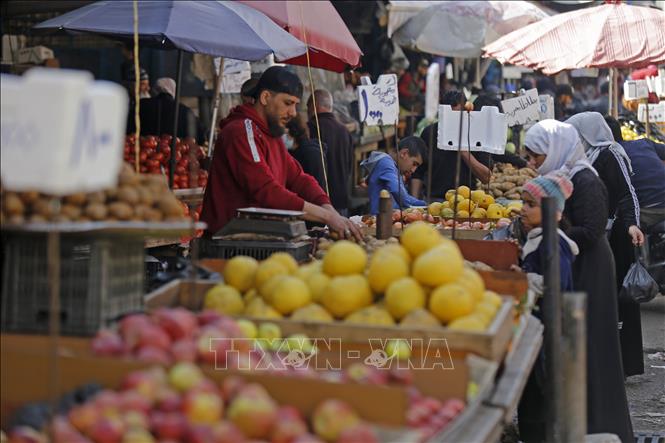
(178, 88)
(215, 108)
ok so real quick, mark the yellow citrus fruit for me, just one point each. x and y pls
(464, 191)
(419, 317)
(479, 213)
(434, 208)
(477, 196)
(345, 294)
(312, 312)
(486, 201)
(249, 295)
(450, 193)
(384, 269)
(268, 269)
(462, 214)
(268, 287)
(403, 296)
(473, 282)
(493, 298)
(394, 249)
(224, 299)
(286, 260)
(371, 315)
(451, 200)
(344, 258)
(494, 211)
(304, 272)
(445, 205)
(466, 205)
(450, 301)
(259, 309)
(419, 237)
(239, 272)
(290, 294)
(487, 310)
(317, 283)
(467, 323)
(447, 213)
(443, 264)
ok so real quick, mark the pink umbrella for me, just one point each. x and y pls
(609, 35)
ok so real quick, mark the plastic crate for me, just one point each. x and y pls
(260, 250)
(101, 278)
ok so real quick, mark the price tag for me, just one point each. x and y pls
(483, 130)
(432, 91)
(656, 112)
(546, 110)
(523, 109)
(378, 104)
(61, 132)
(635, 89)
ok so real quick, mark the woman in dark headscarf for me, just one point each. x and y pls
(555, 146)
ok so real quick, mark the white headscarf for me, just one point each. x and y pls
(597, 136)
(561, 144)
(165, 85)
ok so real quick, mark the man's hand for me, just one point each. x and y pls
(343, 226)
(636, 235)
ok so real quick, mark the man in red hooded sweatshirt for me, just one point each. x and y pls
(251, 166)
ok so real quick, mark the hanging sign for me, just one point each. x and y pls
(483, 130)
(62, 132)
(236, 72)
(546, 103)
(522, 109)
(656, 112)
(635, 89)
(378, 103)
(432, 91)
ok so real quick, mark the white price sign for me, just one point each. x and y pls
(523, 109)
(432, 91)
(483, 130)
(635, 89)
(62, 132)
(378, 104)
(656, 112)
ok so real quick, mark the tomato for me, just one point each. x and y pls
(180, 170)
(166, 150)
(178, 156)
(152, 164)
(184, 162)
(158, 156)
(151, 141)
(203, 173)
(143, 156)
(156, 170)
(176, 185)
(143, 169)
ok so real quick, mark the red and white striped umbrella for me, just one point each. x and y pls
(609, 35)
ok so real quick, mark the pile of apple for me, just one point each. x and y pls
(184, 406)
(430, 415)
(155, 155)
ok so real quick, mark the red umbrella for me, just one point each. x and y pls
(609, 35)
(317, 24)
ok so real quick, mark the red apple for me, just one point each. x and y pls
(108, 429)
(168, 425)
(253, 411)
(154, 336)
(147, 383)
(289, 425)
(136, 419)
(107, 401)
(25, 434)
(362, 373)
(231, 386)
(134, 401)
(332, 417)
(212, 346)
(362, 433)
(184, 350)
(83, 417)
(209, 317)
(178, 322)
(198, 434)
(308, 438)
(64, 432)
(130, 328)
(203, 407)
(168, 400)
(152, 354)
(226, 432)
(230, 326)
(108, 343)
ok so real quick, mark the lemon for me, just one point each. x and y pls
(477, 196)
(450, 301)
(447, 213)
(493, 298)
(404, 296)
(312, 312)
(473, 282)
(479, 213)
(451, 200)
(462, 214)
(344, 258)
(395, 249)
(268, 269)
(467, 323)
(443, 264)
(290, 294)
(224, 299)
(239, 272)
(249, 295)
(259, 309)
(304, 272)
(486, 310)
(419, 317)
(419, 237)
(486, 201)
(268, 287)
(384, 269)
(371, 315)
(466, 205)
(345, 294)
(450, 193)
(445, 205)
(434, 208)
(494, 211)
(286, 260)
(317, 283)
(464, 191)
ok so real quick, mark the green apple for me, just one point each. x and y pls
(269, 331)
(248, 328)
(399, 349)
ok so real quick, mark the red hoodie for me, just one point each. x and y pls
(252, 168)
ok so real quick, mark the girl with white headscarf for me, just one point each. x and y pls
(614, 169)
(553, 146)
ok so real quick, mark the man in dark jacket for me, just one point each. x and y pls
(339, 158)
(251, 166)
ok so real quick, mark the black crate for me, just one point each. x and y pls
(101, 278)
(260, 250)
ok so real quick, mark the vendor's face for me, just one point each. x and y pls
(530, 214)
(280, 108)
(407, 163)
(534, 161)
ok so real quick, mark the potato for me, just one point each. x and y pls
(111, 194)
(28, 197)
(170, 206)
(15, 219)
(96, 211)
(120, 210)
(77, 199)
(60, 218)
(128, 177)
(507, 186)
(96, 197)
(154, 181)
(153, 215)
(12, 204)
(128, 195)
(37, 218)
(146, 195)
(497, 193)
(45, 207)
(71, 211)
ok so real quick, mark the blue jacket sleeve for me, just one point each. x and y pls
(387, 174)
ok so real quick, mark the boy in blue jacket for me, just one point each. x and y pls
(384, 172)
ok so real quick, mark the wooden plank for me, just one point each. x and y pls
(511, 283)
(499, 254)
(486, 425)
(517, 368)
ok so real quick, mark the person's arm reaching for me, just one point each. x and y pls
(416, 187)
(328, 215)
(478, 169)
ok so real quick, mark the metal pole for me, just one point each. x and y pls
(610, 95)
(178, 88)
(429, 166)
(574, 366)
(215, 108)
(552, 321)
(53, 260)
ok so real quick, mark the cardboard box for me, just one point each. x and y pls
(491, 344)
(34, 55)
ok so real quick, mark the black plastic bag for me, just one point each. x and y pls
(638, 284)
